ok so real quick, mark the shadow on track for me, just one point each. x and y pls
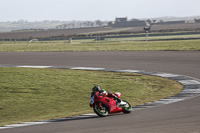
(82, 117)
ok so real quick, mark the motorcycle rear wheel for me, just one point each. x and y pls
(102, 112)
(126, 108)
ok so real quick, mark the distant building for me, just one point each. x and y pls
(190, 21)
(121, 19)
(197, 20)
(123, 22)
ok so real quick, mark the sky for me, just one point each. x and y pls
(90, 10)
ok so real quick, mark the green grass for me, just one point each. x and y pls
(28, 94)
(152, 37)
(90, 45)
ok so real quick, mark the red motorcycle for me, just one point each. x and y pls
(109, 104)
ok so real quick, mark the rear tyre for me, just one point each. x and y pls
(100, 111)
(126, 108)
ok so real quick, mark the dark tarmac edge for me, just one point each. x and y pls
(191, 89)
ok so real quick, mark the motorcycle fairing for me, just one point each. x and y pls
(110, 103)
(118, 94)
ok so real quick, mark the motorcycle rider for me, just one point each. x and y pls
(96, 92)
(104, 103)
(100, 93)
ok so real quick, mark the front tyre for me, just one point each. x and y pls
(126, 108)
(100, 111)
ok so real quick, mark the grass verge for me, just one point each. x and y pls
(88, 45)
(28, 94)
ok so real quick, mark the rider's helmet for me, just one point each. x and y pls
(95, 88)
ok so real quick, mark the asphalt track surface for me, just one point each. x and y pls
(179, 117)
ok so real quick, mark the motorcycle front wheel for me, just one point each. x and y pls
(100, 111)
(126, 108)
